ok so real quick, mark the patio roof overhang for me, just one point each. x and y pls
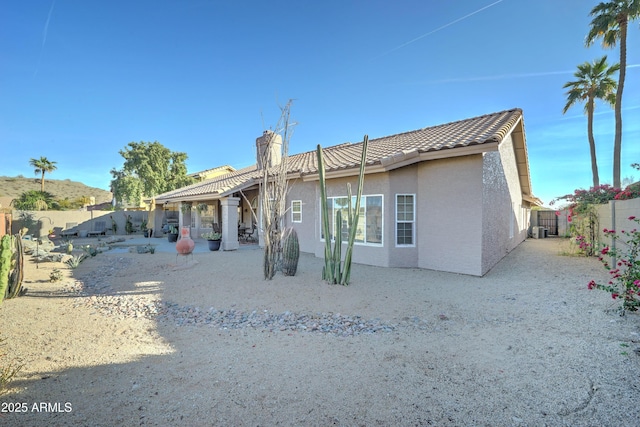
(214, 195)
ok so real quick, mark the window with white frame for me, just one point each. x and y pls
(405, 219)
(296, 211)
(369, 229)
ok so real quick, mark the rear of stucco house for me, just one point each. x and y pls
(454, 197)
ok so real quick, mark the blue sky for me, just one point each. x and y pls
(79, 79)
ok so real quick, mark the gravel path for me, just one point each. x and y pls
(94, 290)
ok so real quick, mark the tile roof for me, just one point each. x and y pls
(383, 152)
(475, 131)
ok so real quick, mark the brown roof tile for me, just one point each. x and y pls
(490, 128)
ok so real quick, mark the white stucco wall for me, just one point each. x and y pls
(504, 219)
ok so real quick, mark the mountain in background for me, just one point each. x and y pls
(12, 187)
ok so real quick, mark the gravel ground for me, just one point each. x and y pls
(142, 339)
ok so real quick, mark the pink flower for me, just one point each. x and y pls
(631, 218)
(605, 250)
(614, 296)
(591, 285)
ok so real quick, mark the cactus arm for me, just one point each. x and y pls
(354, 223)
(328, 268)
(337, 249)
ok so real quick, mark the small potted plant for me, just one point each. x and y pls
(213, 239)
(172, 236)
(143, 227)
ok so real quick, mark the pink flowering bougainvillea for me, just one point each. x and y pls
(583, 219)
(624, 275)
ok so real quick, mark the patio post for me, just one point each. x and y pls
(230, 223)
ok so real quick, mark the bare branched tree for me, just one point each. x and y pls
(274, 188)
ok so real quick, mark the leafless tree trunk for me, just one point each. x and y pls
(273, 193)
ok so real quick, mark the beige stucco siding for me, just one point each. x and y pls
(307, 229)
(468, 212)
(403, 181)
(504, 221)
(449, 214)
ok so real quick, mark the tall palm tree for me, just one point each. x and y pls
(610, 21)
(593, 82)
(42, 165)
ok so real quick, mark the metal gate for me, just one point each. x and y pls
(548, 220)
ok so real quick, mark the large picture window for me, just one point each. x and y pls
(369, 230)
(405, 219)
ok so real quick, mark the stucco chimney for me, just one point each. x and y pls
(268, 149)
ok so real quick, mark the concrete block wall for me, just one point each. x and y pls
(615, 216)
(57, 220)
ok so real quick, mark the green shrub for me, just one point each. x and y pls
(55, 275)
(7, 370)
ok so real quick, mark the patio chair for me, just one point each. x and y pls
(99, 228)
(70, 229)
(252, 235)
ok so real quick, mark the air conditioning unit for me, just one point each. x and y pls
(538, 232)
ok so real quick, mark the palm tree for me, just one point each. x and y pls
(42, 165)
(593, 82)
(610, 21)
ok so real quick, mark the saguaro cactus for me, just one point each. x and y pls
(290, 252)
(334, 271)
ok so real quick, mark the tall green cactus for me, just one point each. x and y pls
(334, 272)
(5, 264)
(17, 275)
(290, 252)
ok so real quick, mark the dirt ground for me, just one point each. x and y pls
(527, 344)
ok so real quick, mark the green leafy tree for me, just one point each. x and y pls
(42, 166)
(149, 169)
(593, 82)
(610, 22)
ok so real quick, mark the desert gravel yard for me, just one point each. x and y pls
(155, 340)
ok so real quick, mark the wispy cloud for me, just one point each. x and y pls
(509, 76)
(45, 31)
(438, 29)
(46, 24)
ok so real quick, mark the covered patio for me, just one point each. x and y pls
(232, 210)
